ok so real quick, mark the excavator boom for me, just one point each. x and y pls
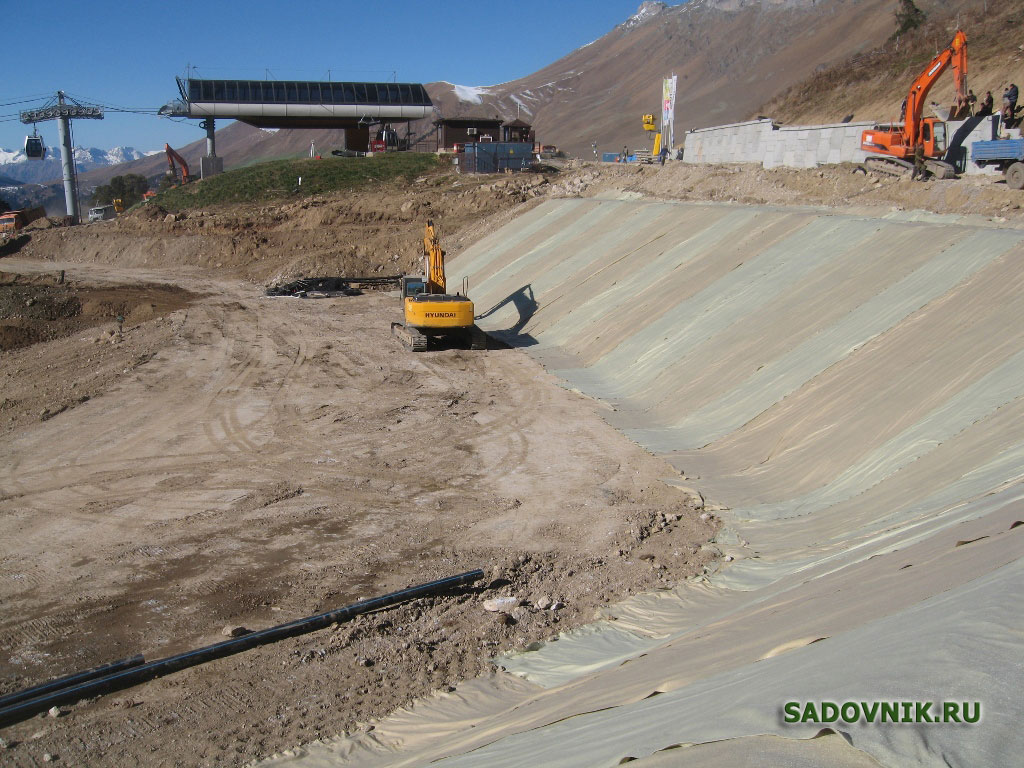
(955, 54)
(173, 156)
(436, 282)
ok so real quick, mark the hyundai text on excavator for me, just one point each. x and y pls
(894, 144)
(430, 311)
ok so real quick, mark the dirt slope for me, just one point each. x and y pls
(273, 458)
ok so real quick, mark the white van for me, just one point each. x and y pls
(101, 213)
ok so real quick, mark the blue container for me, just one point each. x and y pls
(496, 157)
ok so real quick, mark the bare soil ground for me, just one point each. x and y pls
(245, 461)
(233, 460)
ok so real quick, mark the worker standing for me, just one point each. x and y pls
(919, 171)
(986, 105)
(624, 156)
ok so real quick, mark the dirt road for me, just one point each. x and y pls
(246, 461)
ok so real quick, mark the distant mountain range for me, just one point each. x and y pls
(15, 165)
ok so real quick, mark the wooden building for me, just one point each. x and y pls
(517, 131)
(467, 130)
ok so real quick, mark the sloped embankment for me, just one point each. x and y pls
(850, 387)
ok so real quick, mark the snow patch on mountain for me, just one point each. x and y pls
(521, 104)
(472, 94)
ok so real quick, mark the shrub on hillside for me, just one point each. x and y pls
(129, 188)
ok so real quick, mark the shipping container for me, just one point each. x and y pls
(496, 157)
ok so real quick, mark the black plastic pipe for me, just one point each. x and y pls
(126, 678)
(69, 680)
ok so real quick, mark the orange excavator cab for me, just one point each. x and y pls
(892, 145)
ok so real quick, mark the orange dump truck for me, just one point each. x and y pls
(12, 221)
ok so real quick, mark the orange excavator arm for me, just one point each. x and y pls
(173, 156)
(435, 260)
(955, 54)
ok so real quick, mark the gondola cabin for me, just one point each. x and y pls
(34, 147)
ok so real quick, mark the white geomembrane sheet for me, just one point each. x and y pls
(849, 388)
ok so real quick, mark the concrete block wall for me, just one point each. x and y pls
(735, 143)
(808, 146)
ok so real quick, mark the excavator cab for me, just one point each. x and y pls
(933, 134)
(413, 286)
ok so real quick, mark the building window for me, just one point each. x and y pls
(293, 92)
(207, 91)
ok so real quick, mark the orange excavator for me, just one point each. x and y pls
(172, 171)
(893, 145)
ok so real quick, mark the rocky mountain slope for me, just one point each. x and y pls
(872, 85)
(729, 56)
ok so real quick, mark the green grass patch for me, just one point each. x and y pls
(279, 179)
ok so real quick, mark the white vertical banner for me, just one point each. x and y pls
(668, 111)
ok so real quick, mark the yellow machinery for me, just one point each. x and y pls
(430, 311)
(650, 126)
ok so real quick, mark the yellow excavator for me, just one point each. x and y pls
(430, 311)
(649, 126)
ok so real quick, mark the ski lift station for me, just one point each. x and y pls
(301, 104)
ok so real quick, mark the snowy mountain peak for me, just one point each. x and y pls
(14, 163)
(647, 10)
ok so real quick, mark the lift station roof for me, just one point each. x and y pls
(301, 104)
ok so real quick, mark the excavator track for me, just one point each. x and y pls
(412, 338)
(940, 169)
(477, 338)
(889, 166)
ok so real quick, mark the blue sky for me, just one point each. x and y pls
(128, 53)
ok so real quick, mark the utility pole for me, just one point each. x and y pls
(63, 112)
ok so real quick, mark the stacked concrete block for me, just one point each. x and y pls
(735, 143)
(761, 141)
